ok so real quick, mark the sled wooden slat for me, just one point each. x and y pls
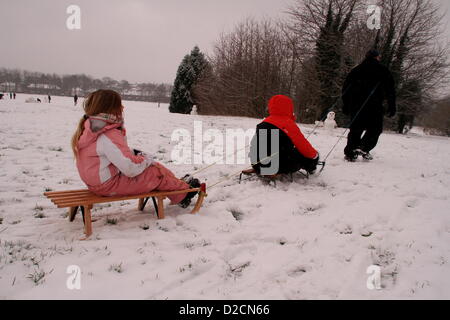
(54, 193)
(83, 196)
(76, 196)
(85, 199)
(93, 199)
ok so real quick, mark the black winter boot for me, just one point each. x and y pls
(351, 157)
(366, 155)
(193, 183)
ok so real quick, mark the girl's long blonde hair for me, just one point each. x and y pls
(100, 101)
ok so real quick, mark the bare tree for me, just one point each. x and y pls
(410, 45)
(437, 120)
(320, 28)
(248, 66)
(336, 31)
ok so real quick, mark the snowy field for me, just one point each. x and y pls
(310, 239)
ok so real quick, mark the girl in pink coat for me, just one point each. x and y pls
(105, 162)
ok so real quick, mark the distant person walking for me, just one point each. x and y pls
(49, 99)
(10, 95)
(75, 99)
(364, 91)
(14, 95)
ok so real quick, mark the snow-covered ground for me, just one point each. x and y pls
(310, 239)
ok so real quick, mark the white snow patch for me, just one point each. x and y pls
(310, 239)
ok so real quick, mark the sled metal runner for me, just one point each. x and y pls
(276, 177)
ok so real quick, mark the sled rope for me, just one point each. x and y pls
(213, 164)
(233, 154)
(203, 169)
(322, 163)
(239, 172)
(309, 135)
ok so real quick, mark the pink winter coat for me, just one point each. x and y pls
(110, 168)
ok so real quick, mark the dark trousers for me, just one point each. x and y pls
(289, 162)
(363, 136)
(294, 162)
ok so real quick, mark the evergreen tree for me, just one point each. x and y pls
(329, 51)
(189, 72)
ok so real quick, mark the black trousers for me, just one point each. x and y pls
(291, 161)
(364, 135)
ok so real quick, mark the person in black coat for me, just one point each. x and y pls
(363, 93)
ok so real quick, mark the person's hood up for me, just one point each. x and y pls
(281, 106)
(281, 109)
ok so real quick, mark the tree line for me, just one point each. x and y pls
(14, 80)
(309, 51)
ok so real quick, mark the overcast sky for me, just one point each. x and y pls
(136, 40)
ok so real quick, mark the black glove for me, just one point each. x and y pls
(311, 165)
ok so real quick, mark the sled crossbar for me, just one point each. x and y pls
(85, 200)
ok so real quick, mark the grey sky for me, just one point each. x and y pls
(137, 40)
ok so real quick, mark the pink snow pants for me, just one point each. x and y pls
(154, 178)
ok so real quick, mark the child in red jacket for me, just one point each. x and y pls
(279, 146)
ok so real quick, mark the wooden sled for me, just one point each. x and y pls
(84, 199)
(276, 177)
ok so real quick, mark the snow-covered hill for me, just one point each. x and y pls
(309, 239)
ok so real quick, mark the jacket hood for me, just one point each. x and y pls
(281, 105)
(89, 136)
(281, 109)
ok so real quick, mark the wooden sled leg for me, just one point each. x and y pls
(82, 214)
(201, 196)
(247, 172)
(142, 203)
(160, 207)
(156, 206)
(87, 221)
(72, 213)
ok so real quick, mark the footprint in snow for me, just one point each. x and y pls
(310, 209)
(298, 271)
(412, 203)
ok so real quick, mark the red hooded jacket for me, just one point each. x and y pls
(281, 110)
